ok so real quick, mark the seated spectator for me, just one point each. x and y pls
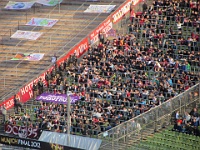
(122, 78)
(188, 124)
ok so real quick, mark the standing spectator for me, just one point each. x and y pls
(179, 25)
(101, 37)
(188, 68)
(144, 7)
(54, 59)
(40, 86)
(4, 112)
(132, 16)
(177, 115)
(35, 90)
(194, 113)
(48, 78)
(17, 103)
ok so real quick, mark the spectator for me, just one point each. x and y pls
(179, 24)
(101, 37)
(188, 124)
(35, 90)
(40, 86)
(54, 59)
(17, 103)
(3, 112)
(144, 7)
(124, 77)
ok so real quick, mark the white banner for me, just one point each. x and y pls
(49, 2)
(28, 56)
(19, 5)
(75, 141)
(42, 22)
(29, 35)
(100, 8)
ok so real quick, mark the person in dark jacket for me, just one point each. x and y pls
(40, 86)
(35, 90)
(144, 7)
(16, 103)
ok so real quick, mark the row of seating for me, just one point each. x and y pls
(70, 18)
(168, 139)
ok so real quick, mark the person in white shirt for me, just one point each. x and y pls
(157, 66)
(187, 117)
(179, 25)
(177, 115)
(171, 61)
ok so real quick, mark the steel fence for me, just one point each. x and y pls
(61, 50)
(147, 123)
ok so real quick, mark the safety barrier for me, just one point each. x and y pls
(149, 122)
(25, 92)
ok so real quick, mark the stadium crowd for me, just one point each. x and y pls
(121, 78)
(188, 122)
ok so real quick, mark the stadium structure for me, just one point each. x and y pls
(30, 47)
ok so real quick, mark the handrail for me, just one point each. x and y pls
(179, 95)
(31, 30)
(35, 28)
(23, 39)
(14, 90)
(126, 129)
(51, 34)
(8, 24)
(35, 50)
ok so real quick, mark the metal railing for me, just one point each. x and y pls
(149, 122)
(22, 18)
(15, 68)
(3, 79)
(13, 91)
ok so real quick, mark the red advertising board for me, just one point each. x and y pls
(103, 27)
(78, 50)
(123, 10)
(107, 25)
(9, 103)
(26, 92)
(21, 131)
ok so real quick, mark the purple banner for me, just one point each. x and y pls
(57, 98)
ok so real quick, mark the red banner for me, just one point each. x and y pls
(21, 131)
(26, 92)
(9, 103)
(103, 27)
(78, 50)
(123, 10)
(81, 48)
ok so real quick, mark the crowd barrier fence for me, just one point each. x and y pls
(25, 92)
(152, 120)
